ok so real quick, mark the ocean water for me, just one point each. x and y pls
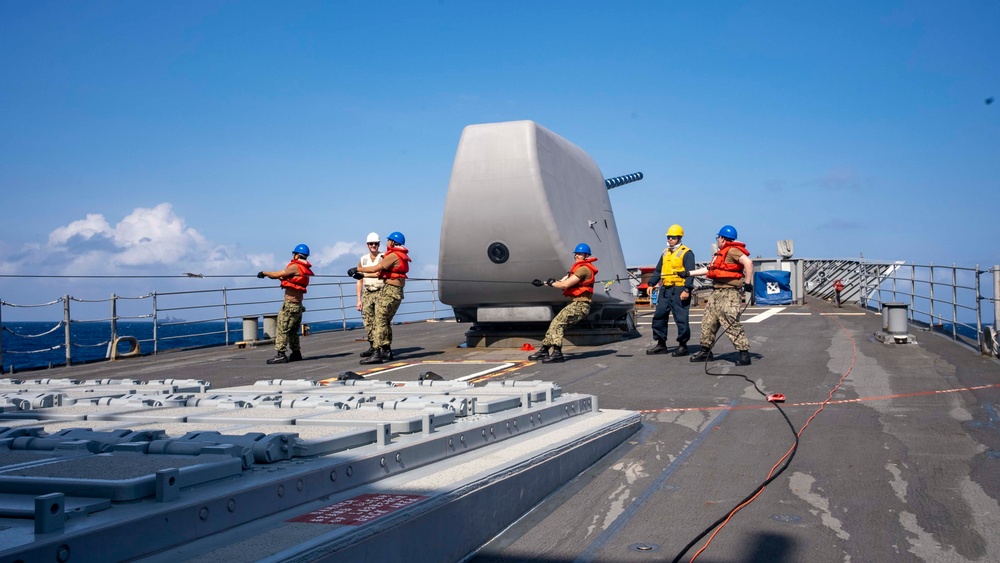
(36, 345)
(961, 329)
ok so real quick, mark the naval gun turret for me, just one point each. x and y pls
(520, 199)
(622, 180)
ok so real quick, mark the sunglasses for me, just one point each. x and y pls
(373, 244)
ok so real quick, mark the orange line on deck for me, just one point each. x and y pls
(838, 402)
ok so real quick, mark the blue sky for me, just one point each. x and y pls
(212, 137)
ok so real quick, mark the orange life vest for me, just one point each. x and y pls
(585, 287)
(399, 269)
(721, 270)
(838, 286)
(301, 280)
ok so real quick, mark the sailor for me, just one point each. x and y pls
(294, 279)
(730, 271)
(368, 288)
(675, 293)
(391, 269)
(578, 285)
(838, 286)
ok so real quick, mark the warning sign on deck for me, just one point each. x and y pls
(358, 510)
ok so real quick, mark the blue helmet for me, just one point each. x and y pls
(728, 232)
(397, 237)
(301, 249)
(582, 248)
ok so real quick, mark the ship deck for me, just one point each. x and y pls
(897, 460)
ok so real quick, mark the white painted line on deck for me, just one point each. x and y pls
(841, 314)
(397, 368)
(765, 315)
(484, 372)
(497, 366)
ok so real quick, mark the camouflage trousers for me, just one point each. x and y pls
(721, 310)
(368, 299)
(289, 321)
(571, 314)
(388, 300)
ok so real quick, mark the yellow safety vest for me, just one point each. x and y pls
(673, 262)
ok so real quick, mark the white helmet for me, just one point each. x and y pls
(373, 237)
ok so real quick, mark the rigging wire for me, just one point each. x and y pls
(617, 279)
(50, 331)
(606, 283)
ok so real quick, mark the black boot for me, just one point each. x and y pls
(375, 358)
(279, 358)
(540, 354)
(386, 354)
(703, 355)
(681, 350)
(660, 348)
(295, 356)
(744, 359)
(367, 353)
(555, 357)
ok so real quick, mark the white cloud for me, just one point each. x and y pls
(144, 245)
(155, 236)
(261, 261)
(154, 241)
(329, 254)
(85, 229)
(146, 239)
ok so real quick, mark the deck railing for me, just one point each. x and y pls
(952, 300)
(329, 306)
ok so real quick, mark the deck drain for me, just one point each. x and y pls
(644, 547)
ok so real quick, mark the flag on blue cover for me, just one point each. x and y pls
(772, 287)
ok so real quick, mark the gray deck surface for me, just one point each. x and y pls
(902, 464)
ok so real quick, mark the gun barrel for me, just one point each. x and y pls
(622, 180)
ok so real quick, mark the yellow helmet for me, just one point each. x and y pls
(675, 231)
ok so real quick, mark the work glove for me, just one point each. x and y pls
(354, 273)
(261, 275)
(550, 281)
(748, 288)
(683, 274)
(537, 283)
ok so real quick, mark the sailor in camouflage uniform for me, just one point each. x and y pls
(392, 270)
(368, 288)
(578, 285)
(731, 270)
(294, 279)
